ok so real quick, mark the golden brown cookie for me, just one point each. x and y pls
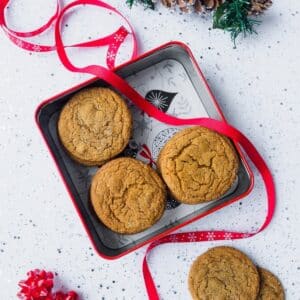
(223, 273)
(127, 195)
(95, 125)
(198, 165)
(270, 286)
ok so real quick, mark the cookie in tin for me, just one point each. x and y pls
(198, 165)
(127, 195)
(95, 125)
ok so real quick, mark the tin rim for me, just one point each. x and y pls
(176, 227)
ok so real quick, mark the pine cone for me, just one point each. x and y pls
(169, 3)
(184, 5)
(212, 4)
(259, 6)
(193, 5)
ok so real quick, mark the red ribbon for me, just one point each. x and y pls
(113, 41)
(124, 88)
(146, 153)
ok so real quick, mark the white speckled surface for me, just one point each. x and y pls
(256, 86)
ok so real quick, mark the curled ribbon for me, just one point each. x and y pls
(113, 41)
(124, 88)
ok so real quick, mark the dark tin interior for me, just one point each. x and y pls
(78, 177)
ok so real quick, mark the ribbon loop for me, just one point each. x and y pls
(34, 32)
(112, 41)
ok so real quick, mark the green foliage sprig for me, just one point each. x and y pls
(147, 3)
(232, 16)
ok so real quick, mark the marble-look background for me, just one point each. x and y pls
(256, 86)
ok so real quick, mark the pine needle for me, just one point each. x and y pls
(232, 16)
(147, 3)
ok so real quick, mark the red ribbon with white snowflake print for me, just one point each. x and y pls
(112, 41)
(124, 88)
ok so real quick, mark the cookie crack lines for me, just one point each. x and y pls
(95, 125)
(82, 121)
(120, 205)
(144, 200)
(198, 165)
(224, 270)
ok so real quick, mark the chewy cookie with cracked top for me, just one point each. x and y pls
(95, 126)
(127, 195)
(198, 165)
(223, 273)
(270, 286)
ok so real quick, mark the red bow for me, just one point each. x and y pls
(38, 286)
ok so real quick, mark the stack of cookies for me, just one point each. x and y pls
(196, 165)
(227, 273)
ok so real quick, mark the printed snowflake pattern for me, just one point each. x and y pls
(160, 99)
(210, 236)
(113, 46)
(119, 38)
(19, 43)
(111, 55)
(183, 108)
(228, 236)
(246, 235)
(192, 237)
(168, 66)
(37, 48)
(161, 138)
(173, 238)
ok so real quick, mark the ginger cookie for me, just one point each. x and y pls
(223, 273)
(198, 165)
(95, 126)
(270, 286)
(127, 195)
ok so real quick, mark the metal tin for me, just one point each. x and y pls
(170, 78)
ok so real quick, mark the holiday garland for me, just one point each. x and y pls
(233, 16)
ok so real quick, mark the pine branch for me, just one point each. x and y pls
(147, 3)
(130, 3)
(232, 16)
